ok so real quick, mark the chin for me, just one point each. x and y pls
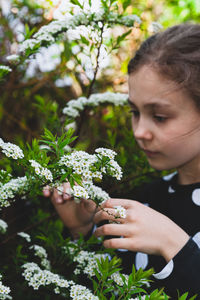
(161, 167)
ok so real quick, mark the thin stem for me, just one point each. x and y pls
(82, 118)
(97, 62)
(28, 228)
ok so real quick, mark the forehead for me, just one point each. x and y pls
(146, 85)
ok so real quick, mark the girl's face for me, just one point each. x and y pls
(165, 122)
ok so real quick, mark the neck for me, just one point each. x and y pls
(189, 173)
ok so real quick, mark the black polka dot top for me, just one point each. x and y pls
(181, 203)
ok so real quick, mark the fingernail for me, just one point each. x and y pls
(58, 200)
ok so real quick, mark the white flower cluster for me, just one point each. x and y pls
(8, 190)
(129, 20)
(106, 152)
(41, 253)
(11, 150)
(5, 68)
(112, 168)
(87, 262)
(4, 291)
(79, 292)
(155, 27)
(120, 211)
(37, 277)
(40, 171)
(74, 107)
(95, 193)
(25, 235)
(3, 226)
(82, 163)
(80, 192)
(28, 44)
(13, 58)
(118, 279)
(47, 34)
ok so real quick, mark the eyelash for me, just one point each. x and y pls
(158, 118)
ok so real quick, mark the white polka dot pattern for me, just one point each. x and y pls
(168, 177)
(120, 249)
(170, 190)
(196, 238)
(196, 196)
(141, 260)
(166, 271)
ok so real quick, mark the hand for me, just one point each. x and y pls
(78, 217)
(144, 229)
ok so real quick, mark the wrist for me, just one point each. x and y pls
(174, 242)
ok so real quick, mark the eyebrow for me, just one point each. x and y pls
(151, 104)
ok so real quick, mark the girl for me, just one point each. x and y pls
(162, 224)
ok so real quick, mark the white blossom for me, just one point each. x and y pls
(129, 20)
(87, 262)
(37, 277)
(80, 192)
(106, 152)
(9, 189)
(5, 68)
(4, 291)
(25, 235)
(74, 107)
(40, 171)
(3, 226)
(28, 44)
(79, 292)
(120, 211)
(155, 27)
(95, 193)
(13, 58)
(49, 33)
(118, 279)
(85, 164)
(11, 150)
(115, 170)
(41, 253)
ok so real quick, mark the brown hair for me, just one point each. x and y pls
(175, 54)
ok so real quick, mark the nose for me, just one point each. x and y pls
(141, 130)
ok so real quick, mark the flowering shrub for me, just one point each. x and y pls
(40, 259)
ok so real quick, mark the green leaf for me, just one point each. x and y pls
(126, 3)
(76, 2)
(84, 40)
(123, 36)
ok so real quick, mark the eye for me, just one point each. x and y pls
(135, 113)
(160, 119)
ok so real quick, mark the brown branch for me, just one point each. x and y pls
(28, 228)
(83, 114)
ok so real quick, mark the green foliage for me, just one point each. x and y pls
(30, 106)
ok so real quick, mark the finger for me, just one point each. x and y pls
(126, 203)
(119, 243)
(107, 214)
(46, 191)
(66, 191)
(112, 229)
(56, 198)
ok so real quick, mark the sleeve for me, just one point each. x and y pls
(183, 272)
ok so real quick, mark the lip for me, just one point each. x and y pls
(150, 153)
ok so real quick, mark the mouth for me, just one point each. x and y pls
(150, 153)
